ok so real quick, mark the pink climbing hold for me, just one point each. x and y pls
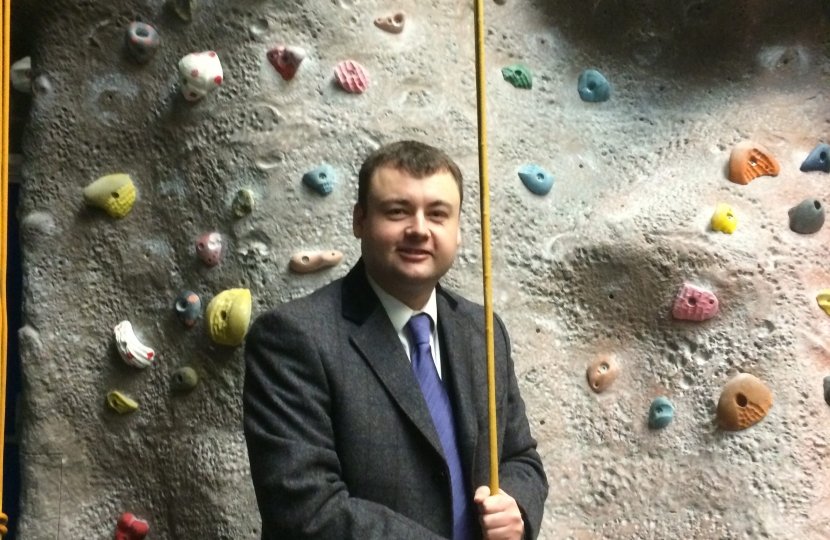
(286, 60)
(352, 77)
(695, 304)
(130, 527)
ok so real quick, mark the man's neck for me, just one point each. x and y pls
(415, 300)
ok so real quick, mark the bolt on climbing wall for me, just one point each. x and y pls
(658, 179)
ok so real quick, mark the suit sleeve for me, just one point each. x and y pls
(290, 438)
(521, 474)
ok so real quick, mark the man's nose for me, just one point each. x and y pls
(418, 225)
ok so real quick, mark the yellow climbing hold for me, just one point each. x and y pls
(228, 315)
(823, 299)
(120, 403)
(115, 193)
(724, 219)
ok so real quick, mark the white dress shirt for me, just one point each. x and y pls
(399, 313)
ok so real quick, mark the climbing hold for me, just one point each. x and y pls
(724, 219)
(807, 217)
(592, 86)
(286, 60)
(142, 41)
(305, 262)
(132, 351)
(199, 73)
(21, 75)
(827, 389)
(744, 401)
(823, 298)
(321, 179)
(185, 9)
(818, 160)
(393, 23)
(750, 160)
(209, 248)
(188, 307)
(351, 76)
(130, 527)
(661, 413)
(518, 75)
(115, 193)
(243, 203)
(603, 371)
(184, 379)
(694, 304)
(120, 403)
(228, 315)
(536, 179)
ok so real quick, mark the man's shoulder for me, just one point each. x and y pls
(465, 307)
(314, 306)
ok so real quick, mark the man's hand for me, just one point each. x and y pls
(499, 515)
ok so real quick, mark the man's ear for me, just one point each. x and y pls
(358, 215)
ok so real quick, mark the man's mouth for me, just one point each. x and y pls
(415, 252)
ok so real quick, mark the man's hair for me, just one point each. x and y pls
(413, 157)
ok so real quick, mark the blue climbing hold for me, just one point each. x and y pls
(818, 160)
(321, 179)
(661, 413)
(536, 179)
(593, 86)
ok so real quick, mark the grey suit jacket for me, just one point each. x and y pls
(340, 440)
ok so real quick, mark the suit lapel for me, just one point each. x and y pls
(376, 340)
(457, 347)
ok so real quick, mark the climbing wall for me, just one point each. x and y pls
(659, 256)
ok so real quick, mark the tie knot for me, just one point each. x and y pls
(420, 327)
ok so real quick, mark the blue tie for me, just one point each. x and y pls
(441, 411)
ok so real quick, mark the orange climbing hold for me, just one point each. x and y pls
(744, 401)
(750, 160)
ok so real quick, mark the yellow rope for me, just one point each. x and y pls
(485, 243)
(4, 211)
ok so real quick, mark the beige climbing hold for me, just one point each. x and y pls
(305, 262)
(744, 401)
(603, 371)
(114, 193)
(120, 403)
(750, 160)
(393, 23)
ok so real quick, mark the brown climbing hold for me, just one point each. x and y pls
(750, 160)
(392, 24)
(305, 262)
(744, 401)
(603, 371)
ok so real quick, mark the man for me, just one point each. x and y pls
(365, 403)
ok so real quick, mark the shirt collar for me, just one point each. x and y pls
(399, 313)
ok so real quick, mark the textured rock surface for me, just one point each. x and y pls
(593, 270)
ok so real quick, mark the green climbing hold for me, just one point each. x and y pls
(243, 204)
(518, 75)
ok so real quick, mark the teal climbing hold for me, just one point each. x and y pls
(818, 160)
(321, 179)
(592, 86)
(536, 179)
(661, 413)
(518, 75)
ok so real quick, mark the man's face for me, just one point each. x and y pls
(409, 230)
